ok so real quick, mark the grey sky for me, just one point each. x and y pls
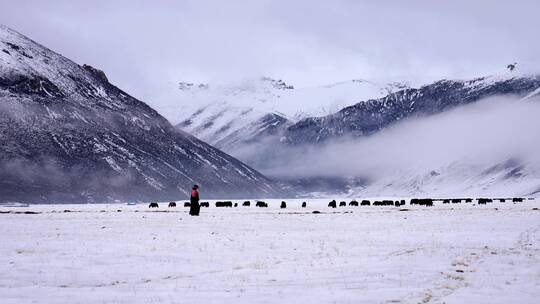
(146, 46)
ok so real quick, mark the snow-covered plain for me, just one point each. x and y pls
(456, 253)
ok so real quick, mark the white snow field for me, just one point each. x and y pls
(451, 253)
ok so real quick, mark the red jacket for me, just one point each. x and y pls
(194, 196)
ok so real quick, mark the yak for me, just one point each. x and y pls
(224, 204)
(332, 204)
(261, 204)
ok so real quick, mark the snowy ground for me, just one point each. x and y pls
(94, 254)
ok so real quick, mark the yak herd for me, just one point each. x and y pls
(333, 204)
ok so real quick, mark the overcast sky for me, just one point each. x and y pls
(146, 46)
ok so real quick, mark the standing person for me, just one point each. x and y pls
(194, 208)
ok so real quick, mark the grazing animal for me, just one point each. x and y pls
(456, 201)
(283, 205)
(261, 204)
(172, 204)
(365, 203)
(235, 204)
(153, 205)
(205, 204)
(397, 203)
(186, 204)
(388, 203)
(353, 203)
(446, 201)
(402, 202)
(517, 200)
(502, 200)
(304, 205)
(428, 202)
(332, 204)
(224, 204)
(468, 200)
(246, 203)
(484, 201)
(342, 204)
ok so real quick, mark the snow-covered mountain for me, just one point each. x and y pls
(372, 115)
(67, 134)
(229, 116)
(318, 154)
(333, 139)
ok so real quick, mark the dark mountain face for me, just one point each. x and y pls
(368, 117)
(68, 135)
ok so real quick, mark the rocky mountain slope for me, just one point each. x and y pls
(68, 135)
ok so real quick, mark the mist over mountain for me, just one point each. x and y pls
(68, 135)
(484, 148)
(352, 151)
(240, 116)
(370, 116)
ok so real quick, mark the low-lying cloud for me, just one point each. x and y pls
(478, 135)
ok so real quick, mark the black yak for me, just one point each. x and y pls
(342, 204)
(153, 205)
(365, 203)
(388, 203)
(484, 201)
(224, 204)
(332, 204)
(172, 204)
(261, 204)
(283, 205)
(304, 205)
(353, 203)
(187, 204)
(246, 204)
(205, 204)
(422, 202)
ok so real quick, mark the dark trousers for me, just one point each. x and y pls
(195, 208)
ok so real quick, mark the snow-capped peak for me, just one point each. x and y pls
(222, 113)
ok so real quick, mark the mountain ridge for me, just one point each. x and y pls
(367, 117)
